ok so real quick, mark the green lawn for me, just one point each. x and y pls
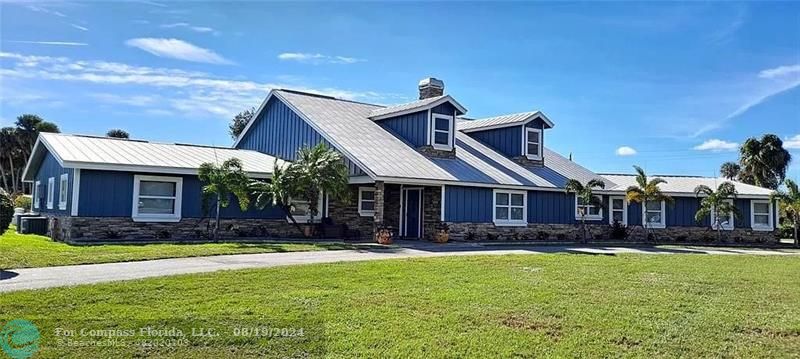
(24, 251)
(556, 305)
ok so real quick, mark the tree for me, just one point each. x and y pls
(646, 191)
(222, 181)
(764, 162)
(730, 170)
(318, 170)
(117, 133)
(717, 204)
(276, 192)
(6, 211)
(790, 206)
(585, 196)
(16, 145)
(239, 122)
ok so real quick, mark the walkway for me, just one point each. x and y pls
(48, 277)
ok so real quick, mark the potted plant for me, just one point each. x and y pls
(383, 234)
(442, 233)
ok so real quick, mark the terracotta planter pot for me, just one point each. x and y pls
(442, 237)
(383, 237)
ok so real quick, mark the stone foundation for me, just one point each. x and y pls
(431, 211)
(124, 229)
(525, 162)
(573, 232)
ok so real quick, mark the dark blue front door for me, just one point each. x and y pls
(412, 214)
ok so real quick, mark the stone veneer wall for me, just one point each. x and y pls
(432, 152)
(109, 229)
(573, 232)
(342, 213)
(525, 162)
(431, 210)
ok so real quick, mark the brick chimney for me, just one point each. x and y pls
(430, 87)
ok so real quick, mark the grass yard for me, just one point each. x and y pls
(25, 251)
(556, 305)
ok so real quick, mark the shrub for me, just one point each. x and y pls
(6, 211)
(618, 230)
(23, 201)
(786, 231)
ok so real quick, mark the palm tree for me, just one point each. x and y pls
(7, 148)
(276, 192)
(717, 204)
(646, 191)
(585, 196)
(118, 133)
(222, 181)
(790, 205)
(764, 162)
(317, 170)
(730, 170)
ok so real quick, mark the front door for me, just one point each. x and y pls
(412, 213)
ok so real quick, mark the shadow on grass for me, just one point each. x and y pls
(7, 275)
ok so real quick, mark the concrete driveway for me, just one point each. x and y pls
(49, 277)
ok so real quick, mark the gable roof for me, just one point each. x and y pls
(685, 185)
(114, 154)
(383, 156)
(420, 105)
(514, 119)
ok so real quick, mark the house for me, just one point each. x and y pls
(411, 166)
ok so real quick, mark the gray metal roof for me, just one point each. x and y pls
(419, 105)
(347, 126)
(513, 119)
(74, 151)
(685, 184)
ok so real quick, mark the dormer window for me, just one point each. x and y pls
(442, 132)
(533, 143)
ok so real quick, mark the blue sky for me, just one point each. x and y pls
(678, 84)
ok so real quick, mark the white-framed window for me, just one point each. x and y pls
(725, 223)
(761, 215)
(510, 208)
(532, 146)
(618, 208)
(63, 187)
(37, 194)
(442, 135)
(654, 215)
(366, 201)
(157, 198)
(301, 211)
(51, 184)
(592, 212)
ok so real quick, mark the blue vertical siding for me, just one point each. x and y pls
(110, 194)
(412, 128)
(278, 131)
(507, 141)
(49, 167)
(445, 109)
(468, 204)
(547, 207)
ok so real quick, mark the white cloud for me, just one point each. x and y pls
(715, 145)
(56, 43)
(177, 49)
(779, 71)
(772, 82)
(161, 91)
(82, 28)
(625, 151)
(317, 59)
(45, 10)
(792, 142)
(201, 29)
